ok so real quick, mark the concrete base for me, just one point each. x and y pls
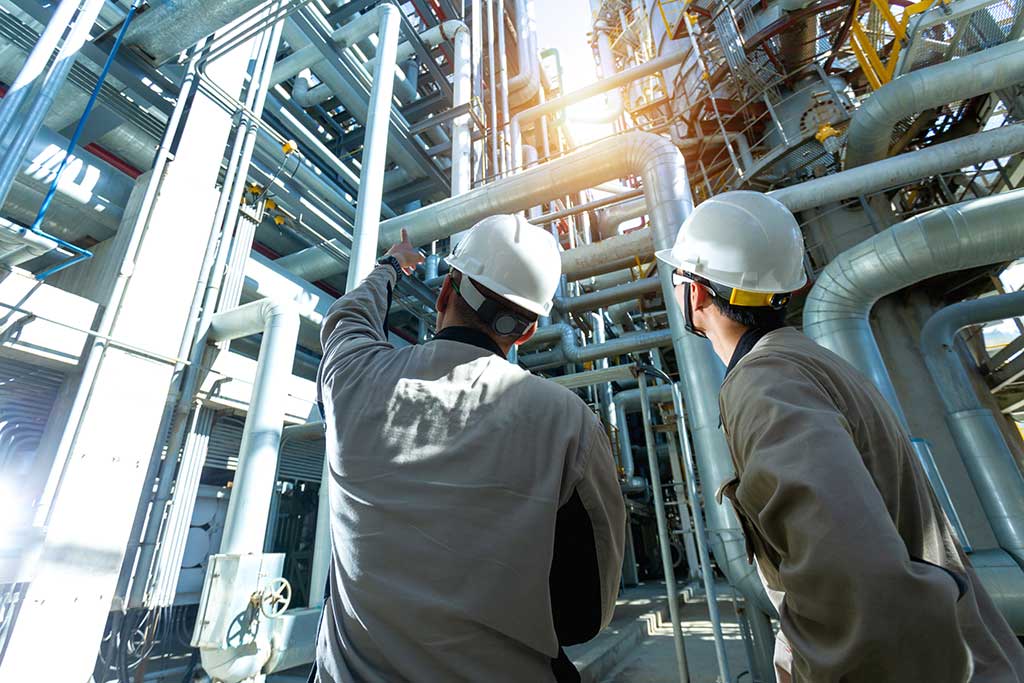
(637, 646)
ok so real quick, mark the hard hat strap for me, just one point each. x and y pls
(500, 319)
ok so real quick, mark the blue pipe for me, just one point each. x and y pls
(79, 253)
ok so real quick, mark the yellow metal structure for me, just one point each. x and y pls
(878, 35)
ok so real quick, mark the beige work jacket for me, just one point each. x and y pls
(841, 518)
(476, 514)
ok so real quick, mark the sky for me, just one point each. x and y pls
(564, 25)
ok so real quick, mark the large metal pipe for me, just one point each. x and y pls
(613, 103)
(984, 450)
(175, 25)
(966, 235)
(904, 168)
(609, 220)
(629, 401)
(606, 297)
(33, 67)
(524, 85)
(245, 526)
(869, 135)
(12, 156)
(371, 175)
(569, 350)
(462, 166)
(622, 251)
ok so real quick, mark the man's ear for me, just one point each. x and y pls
(700, 297)
(526, 335)
(443, 297)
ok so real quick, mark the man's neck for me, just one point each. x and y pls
(458, 323)
(725, 338)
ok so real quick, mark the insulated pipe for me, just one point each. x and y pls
(462, 143)
(524, 86)
(37, 60)
(663, 535)
(602, 86)
(492, 91)
(570, 351)
(904, 168)
(869, 134)
(609, 220)
(249, 507)
(12, 157)
(506, 158)
(374, 160)
(971, 234)
(623, 251)
(168, 28)
(629, 401)
(607, 297)
(987, 456)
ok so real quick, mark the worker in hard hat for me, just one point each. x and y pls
(869, 581)
(475, 510)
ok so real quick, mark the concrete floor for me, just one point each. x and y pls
(637, 647)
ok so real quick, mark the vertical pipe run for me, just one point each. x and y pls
(462, 169)
(477, 55)
(245, 525)
(710, 590)
(492, 90)
(503, 78)
(371, 188)
(663, 537)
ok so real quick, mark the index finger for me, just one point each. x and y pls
(405, 237)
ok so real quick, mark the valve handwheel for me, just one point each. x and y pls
(276, 597)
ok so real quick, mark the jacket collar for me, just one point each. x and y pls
(471, 336)
(747, 343)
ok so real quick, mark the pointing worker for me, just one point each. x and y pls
(476, 516)
(851, 544)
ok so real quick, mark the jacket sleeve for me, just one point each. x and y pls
(589, 537)
(857, 607)
(356, 324)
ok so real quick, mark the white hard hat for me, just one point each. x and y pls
(514, 259)
(743, 240)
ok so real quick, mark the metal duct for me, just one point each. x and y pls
(249, 508)
(301, 459)
(165, 30)
(90, 198)
(609, 220)
(870, 131)
(570, 351)
(966, 235)
(984, 450)
(606, 297)
(616, 158)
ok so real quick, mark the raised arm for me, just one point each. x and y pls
(858, 608)
(356, 323)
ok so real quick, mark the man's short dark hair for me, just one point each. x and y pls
(750, 316)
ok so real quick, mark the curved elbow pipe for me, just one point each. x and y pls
(871, 127)
(249, 507)
(523, 86)
(967, 235)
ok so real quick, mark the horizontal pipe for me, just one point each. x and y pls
(607, 297)
(570, 351)
(870, 131)
(630, 193)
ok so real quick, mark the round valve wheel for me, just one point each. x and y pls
(275, 598)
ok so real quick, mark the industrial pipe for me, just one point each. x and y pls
(570, 351)
(374, 160)
(602, 86)
(606, 297)
(613, 101)
(523, 86)
(628, 401)
(38, 107)
(245, 525)
(870, 131)
(985, 453)
(966, 235)
(609, 220)
(166, 29)
(462, 91)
